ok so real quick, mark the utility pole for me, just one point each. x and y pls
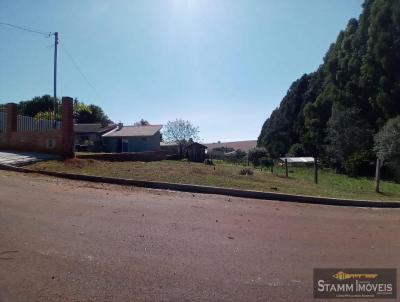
(55, 72)
(315, 170)
(286, 168)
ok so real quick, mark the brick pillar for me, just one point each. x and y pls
(11, 111)
(67, 127)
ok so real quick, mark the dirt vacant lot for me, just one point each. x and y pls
(74, 241)
(300, 181)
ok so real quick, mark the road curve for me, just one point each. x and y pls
(66, 240)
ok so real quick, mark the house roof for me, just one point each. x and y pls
(242, 145)
(134, 131)
(93, 128)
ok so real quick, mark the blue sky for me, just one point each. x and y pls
(222, 64)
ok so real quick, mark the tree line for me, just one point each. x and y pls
(40, 106)
(347, 111)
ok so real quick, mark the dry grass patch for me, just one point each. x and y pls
(228, 175)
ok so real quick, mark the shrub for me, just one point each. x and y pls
(296, 150)
(238, 156)
(387, 146)
(359, 164)
(266, 162)
(208, 161)
(258, 155)
(246, 171)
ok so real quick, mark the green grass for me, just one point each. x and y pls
(300, 180)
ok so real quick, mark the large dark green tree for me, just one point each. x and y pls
(38, 104)
(334, 112)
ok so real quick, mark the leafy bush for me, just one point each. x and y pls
(349, 138)
(208, 161)
(216, 154)
(358, 164)
(258, 155)
(266, 162)
(387, 146)
(246, 171)
(238, 156)
(387, 141)
(296, 150)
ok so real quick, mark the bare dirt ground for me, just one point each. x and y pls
(75, 241)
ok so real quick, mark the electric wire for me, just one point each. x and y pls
(47, 35)
(26, 29)
(75, 64)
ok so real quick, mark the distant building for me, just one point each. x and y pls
(87, 137)
(132, 139)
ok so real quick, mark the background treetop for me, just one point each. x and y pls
(180, 131)
(83, 113)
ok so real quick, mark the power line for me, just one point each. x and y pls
(27, 29)
(79, 70)
(47, 35)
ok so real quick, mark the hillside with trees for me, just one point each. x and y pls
(338, 112)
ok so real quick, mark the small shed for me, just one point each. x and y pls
(293, 161)
(196, 152)
(298, 160)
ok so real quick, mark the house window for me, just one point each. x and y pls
(125, 145)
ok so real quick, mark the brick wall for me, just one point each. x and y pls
(53, 141)
(33, 141)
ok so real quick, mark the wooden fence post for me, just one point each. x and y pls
(286, 168)
(377, 175)
(315, 170)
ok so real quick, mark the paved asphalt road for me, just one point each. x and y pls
(74, 241)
